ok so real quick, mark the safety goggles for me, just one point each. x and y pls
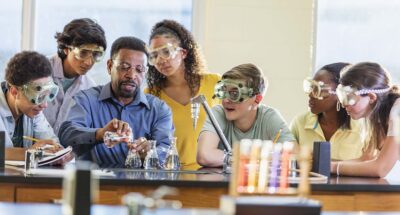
(348, 95)
(126, 67)
(235, 91)
(84, 52)
(317, 89)
(166, 52)
(40, 93)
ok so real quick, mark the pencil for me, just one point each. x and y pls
(30, 138)
(277, 135)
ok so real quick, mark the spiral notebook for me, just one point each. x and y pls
(59, 157)
(56, 157)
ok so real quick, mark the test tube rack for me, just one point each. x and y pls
(266, 168)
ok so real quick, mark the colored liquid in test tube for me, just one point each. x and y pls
(284, 182)
(253, 166)
(273, 183)
(264, 166)
(245, 146)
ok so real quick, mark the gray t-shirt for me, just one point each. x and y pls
(267, 124)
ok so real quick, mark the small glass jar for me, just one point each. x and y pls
(111, 138)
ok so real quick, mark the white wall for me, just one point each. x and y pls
(276, 35)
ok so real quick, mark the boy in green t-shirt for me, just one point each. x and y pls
(241, 116)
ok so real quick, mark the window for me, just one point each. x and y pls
(119, 18)
(359, 30)
(10, 23)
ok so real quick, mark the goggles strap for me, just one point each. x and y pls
(378, 91)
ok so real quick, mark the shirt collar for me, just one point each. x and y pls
(311, 121)
(4, 108)
(140, 97)
(58, 70)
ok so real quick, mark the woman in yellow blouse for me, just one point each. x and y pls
(176, 74)
(327, 120)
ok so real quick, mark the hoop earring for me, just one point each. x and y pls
(338, 106)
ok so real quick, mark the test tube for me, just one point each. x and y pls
(284, 183)
(273, 183)
(245, 145)
(264, 166)
(253, 166)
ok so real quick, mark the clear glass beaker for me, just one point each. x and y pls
(133, 159)
(172, 161)
(151, 161)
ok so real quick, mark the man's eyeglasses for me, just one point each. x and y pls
(126, 67)
(83, 53)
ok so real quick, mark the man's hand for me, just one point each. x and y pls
(120, 127)
(141, 145)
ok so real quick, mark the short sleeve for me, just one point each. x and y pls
(219, 115)
(294, 127)
(394, 113)
(275, 123)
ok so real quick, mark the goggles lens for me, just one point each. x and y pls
(233, 90)
(167, 51)
(40, 93)
(348, 95)
(317, 89)
(83, 53)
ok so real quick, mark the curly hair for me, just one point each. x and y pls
(79, 32)
(27, 66)
(194, 61)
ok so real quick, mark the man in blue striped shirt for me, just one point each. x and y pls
(119, 106)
